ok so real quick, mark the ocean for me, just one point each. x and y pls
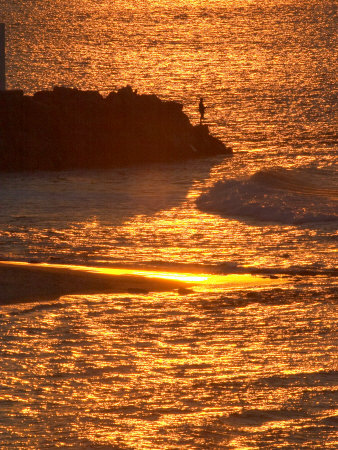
(233, 366)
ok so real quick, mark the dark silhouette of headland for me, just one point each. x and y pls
(69, 129)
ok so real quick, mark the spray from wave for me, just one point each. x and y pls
(291, 197)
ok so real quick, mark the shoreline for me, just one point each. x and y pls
(23, 282)
(27, 283)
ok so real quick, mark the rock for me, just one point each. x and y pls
(68, 128)
(206, 143)
(185, 291)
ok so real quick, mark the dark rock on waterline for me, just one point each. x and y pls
(70, 129)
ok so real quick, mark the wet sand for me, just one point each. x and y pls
(29, 282)
(21, 283)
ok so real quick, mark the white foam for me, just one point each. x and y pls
(280, 196)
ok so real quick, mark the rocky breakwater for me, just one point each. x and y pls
(68, 128)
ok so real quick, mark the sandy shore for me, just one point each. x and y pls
(24, 282)
(30, 283)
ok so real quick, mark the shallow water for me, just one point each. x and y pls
(243, 367)
(155, 215)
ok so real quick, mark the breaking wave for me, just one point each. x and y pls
(291, 197)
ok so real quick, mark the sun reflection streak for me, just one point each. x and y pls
(200, 279)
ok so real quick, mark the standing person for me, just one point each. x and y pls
(201, 108)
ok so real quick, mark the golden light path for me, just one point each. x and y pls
(197, 279)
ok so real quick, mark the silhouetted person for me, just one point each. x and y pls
(201, 108)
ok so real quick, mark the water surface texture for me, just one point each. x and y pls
(226, 367)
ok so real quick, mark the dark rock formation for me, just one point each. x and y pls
(68, 128)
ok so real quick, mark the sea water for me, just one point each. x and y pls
(233, 367)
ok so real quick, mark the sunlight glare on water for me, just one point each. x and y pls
(263, 67)
(168, 370)
(234, 360)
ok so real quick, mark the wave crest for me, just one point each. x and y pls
(291, 197)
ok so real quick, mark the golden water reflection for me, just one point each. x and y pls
(203, 281)
(238, 368)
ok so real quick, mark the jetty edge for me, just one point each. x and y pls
(68, 128)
